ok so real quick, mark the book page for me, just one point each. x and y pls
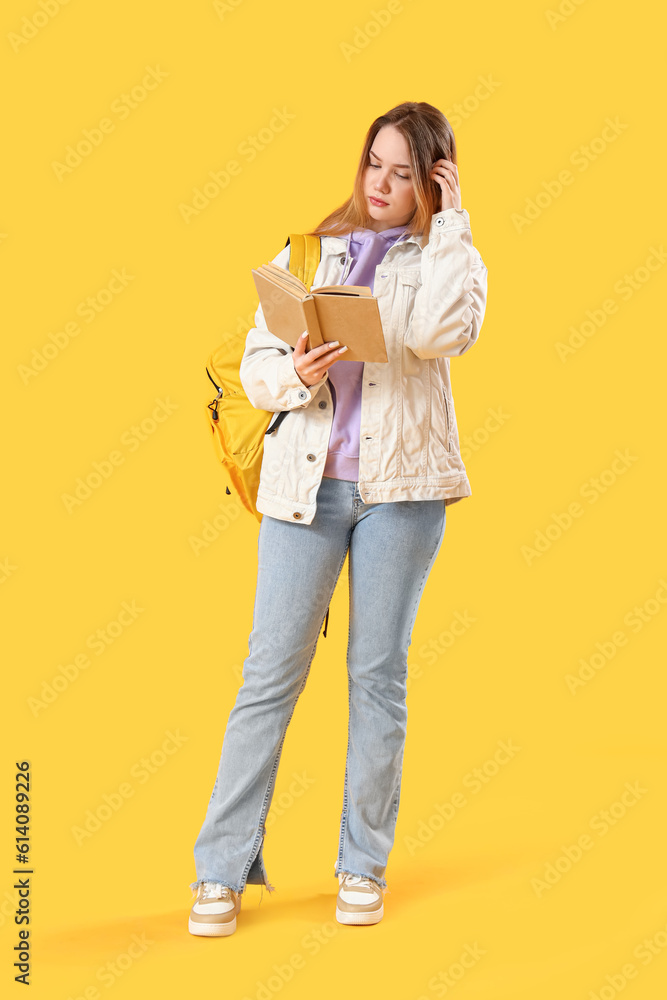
(282, 277)
(342, 290)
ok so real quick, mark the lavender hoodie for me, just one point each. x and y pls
(367, 249)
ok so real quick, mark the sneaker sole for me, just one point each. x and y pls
(369, 917)
(211, 930)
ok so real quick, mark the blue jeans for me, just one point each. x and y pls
(392, 548)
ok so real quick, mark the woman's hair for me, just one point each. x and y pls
(429, 137)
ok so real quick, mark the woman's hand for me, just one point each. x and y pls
(311, 365)
(445, 173)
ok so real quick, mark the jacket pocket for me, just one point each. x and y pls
(408, 280)
(411, 277)
(440, 433)
(448, 421)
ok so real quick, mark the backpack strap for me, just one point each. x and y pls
(305, 254)
(304, 259)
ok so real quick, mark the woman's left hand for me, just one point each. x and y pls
(445, 173)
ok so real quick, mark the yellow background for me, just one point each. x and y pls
(176, 667)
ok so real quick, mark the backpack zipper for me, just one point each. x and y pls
(213, 405)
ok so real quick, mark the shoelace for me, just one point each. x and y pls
(361, 880)
(211, 890)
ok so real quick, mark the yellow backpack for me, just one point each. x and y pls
(237, 427)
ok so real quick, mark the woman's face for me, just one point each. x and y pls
(388, 180)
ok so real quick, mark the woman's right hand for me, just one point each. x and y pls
(311, 365)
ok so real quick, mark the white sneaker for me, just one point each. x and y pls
(360, 900)
(213, 913)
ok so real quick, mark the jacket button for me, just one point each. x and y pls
(322, 404)
(311, 458)
(296, 515)
(303, 394)
(440, 221)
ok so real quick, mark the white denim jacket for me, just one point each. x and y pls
(432, 303)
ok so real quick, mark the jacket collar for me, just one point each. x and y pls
(338, 244)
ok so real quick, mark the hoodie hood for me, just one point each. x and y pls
(362, 243)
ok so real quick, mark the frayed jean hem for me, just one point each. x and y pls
(194, 886)
(382, 882)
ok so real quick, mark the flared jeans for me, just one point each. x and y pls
(392, 548)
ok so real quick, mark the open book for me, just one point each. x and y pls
(347, 313)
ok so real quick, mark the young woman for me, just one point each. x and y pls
(366, 464)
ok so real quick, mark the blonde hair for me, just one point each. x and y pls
(429, 137)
